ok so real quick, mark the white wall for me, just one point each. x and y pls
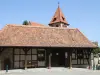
(41, 63)
(80, 66)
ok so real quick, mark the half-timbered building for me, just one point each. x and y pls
(36, 45)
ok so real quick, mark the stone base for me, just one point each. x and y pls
(25, 68)
(70, 67)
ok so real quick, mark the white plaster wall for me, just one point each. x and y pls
(85, 62)
(16, 51)
(22, 52)
(74, 61)
(95, 60)
(34, 57)
(41, 63)
(16, 57)
(16, 64)
(21, 64)
(22, 57)
(34, 51)
(80, 66)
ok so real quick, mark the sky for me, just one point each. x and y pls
(81, 14)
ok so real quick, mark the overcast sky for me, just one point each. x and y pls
(81, 14)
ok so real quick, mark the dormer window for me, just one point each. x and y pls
(54, 19)
(63, 18)
(57, 25)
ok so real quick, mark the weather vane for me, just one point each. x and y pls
(58, 3)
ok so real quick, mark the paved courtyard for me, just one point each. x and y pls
(53, 71)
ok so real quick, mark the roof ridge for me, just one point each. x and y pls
(31, 22)
(38, 26)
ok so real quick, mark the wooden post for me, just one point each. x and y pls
(70, 59)
(1, 50)
(49, 61)
(0, 62)
(25, 61)
(25, 50)
(90, 59)
(66, 59)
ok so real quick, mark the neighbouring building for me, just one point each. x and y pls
(36, 45)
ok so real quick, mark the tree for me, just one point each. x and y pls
(25, 22)
(97, 50)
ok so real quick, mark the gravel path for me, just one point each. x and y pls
(53, 71)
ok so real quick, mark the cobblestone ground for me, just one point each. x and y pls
(53, 71)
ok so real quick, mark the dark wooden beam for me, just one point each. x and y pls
(66, 59)
(89, 54)
(70, 59)
(77, 55)
(83, 55)
(49, 57)
(13, 56)
(1, 50)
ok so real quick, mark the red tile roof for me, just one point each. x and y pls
(15, 35)
(35, 24)
(58, 17)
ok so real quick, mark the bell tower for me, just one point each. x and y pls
(58, 19)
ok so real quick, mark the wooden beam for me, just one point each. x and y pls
(77, 56)
(83, 55)
(26, 50)
(13, 56)
(49, 58)
(25, 61)
(49, 61)
(1, 50)
(89, 54)
(70, 59)
(66, 59)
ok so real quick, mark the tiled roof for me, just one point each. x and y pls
(35, 24)
(20, 35)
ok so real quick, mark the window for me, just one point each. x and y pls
(19, 57)
(22, 57)
(22, 52)
(74, 54)
(16, 51)
(34, 51)
(57, 25)
(41, 55)
(34, 57)
(16, 57)
(63, 18)
(54, 19)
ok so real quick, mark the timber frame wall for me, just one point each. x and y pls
(80, 55)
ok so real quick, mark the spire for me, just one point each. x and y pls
(58, 3)
(58, 17)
